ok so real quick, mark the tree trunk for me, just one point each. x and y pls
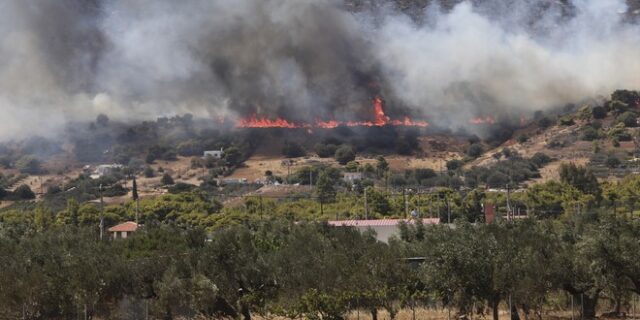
(494, 307)
(589, 306)
(374, 314)
(246, 313)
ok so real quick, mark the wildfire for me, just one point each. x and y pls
(380, 119)
(483, 120)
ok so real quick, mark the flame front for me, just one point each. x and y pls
(380, 119)
(483, 120)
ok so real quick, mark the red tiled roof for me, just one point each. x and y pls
(128, 226)
(377, 223)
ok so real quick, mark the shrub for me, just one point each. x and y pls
(566, 121)
(23, 192)
(629, 119)
(475, 150)
(599, 112)
(589, 134)
(293, 150)
(167, 180)
(148, 172)
(545, 122)
(455, 164)
(28, 165)
(522, 138)
(540, 159)
(613, 161)
(325, 150)
(344, 154)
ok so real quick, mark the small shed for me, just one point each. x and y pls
(216, 154)
(352, 176)
(123, 230)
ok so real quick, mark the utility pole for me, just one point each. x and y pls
(261, 208)
(446, 199)
(366, 205)
(310, 178)
(101, 212)
(406, 202)
(508, 203)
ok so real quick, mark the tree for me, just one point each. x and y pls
(325, 189)
(590, 134)
(325, 150)
(382, 166)
(345, 154)
(29, 165)
(148, 172)
(631, 98)
(455, 164)
(23, 192)
(293, 150)
(232, 157)
(629, 119)
(581, 178)
(599, 112)
(102, 120)
(475, 150)
(134, 189)
(613, 161)
(167, 179)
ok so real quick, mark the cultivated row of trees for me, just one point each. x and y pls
(275, 267)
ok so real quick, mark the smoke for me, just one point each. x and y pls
(69, 60)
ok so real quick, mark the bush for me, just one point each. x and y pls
(167, 180)
(345, 154)
(28, 165)
(613, 161)
(545, 122)
(497, 180)
(566, 121)
(475, 150)
(181, 188)
(325, 150)
(23, 192)
(629, 119)
(455, 164)
(522, 138)
(618, 107)
(293, 150)
(540, 159)
(599, 112)
(148, 172)
(589, 134)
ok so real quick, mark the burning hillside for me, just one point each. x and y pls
(379, 119)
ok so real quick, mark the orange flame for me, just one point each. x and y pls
(380, 119)
(483, 120)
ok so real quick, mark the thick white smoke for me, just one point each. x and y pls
(465, 63)
(138, 59)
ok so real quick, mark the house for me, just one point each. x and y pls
(216, 154)
(384, 228)
(352, 176)
(105, 169)
(123, 230)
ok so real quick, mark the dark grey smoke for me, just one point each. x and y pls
(449, 61)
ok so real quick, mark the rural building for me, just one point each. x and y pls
(352, 176)
(123, 230)
(106, 169)
(216, 154)
(384, 228)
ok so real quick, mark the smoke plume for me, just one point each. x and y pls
(446, 61)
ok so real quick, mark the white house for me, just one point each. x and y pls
(384, 228)
(216, 154)
(352, 176)
(105, 169)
